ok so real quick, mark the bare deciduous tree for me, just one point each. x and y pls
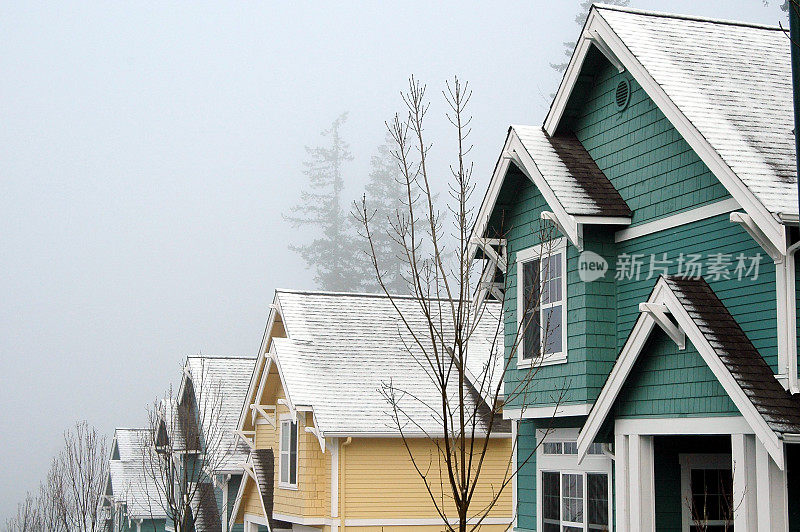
(83, 469)
(188, 443)
(450, 291)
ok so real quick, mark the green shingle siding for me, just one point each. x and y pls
(751, 302)
(640, 152)
(667, 382)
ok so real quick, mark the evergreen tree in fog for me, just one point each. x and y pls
(333, 253)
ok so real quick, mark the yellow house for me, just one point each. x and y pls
(325, 453)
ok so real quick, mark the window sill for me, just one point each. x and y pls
(284, 486)
(550, 360)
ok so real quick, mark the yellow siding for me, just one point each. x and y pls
(313, 494)
(251, 501)
(378, 480)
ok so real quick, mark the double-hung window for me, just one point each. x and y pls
(573, 497)
(541, 303)
(288, 454)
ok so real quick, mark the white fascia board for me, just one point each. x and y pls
(597, 28)
(260, 362)
(307, 521)
(529, 167)
(630, 352)
(677, 220)
(602, 220)
(540, 412)
(490, 199)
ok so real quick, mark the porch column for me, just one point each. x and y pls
(743, 451)
(621, 475)
(772, 497)
(641, 483)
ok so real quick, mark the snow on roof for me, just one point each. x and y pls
(342, 349)
(223, 383)
(733, 82)
(129, 442)
(572, 174)
(129, 482)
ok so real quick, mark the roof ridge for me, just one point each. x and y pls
(695, 18)
(353, 294)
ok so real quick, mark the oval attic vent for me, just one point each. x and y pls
(623, 94)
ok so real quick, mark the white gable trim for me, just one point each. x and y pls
(260, 363)
(630, 352)
(249, 473)
(597, 27)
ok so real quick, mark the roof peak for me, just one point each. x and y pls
(694, 18)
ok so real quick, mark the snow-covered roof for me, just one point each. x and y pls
(732, 81)
(129, 442)
(223, 383)
(576, 180)
(342, 349)
(130, 484)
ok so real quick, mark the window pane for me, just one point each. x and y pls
(572, 498)
(712, 495)
(597, 500)
(530, 291)
(551, 447)
(551, 323)
(570, 447)
(596, 448)
(293, 456)
(285, 435)
(551, 491)
(284, 467)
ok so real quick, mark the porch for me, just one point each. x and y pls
(701, 474)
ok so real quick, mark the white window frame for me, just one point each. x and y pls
(568, 463)
(540, 252)
(284, 418)
(698, 461)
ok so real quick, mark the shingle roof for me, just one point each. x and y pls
(733, 82)
(572, 174)
(129, 442)
(779, 409)
(264, 469)
(343, 349)
(129, 481)
(206, 513)
(223, 383)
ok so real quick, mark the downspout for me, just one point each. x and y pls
(342, 481)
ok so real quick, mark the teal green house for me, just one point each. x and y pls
(643, 242)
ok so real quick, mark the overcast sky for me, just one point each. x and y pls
(148, 151)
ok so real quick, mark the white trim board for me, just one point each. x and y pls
(676, 220)
(424, 522)
(597, 27)
(582, 409)
(683, 426)
(308, 521)
(662, 294)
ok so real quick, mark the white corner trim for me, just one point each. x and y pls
(335, 477)
(676, 220)
(255, 519)
(539, 412)
(632, 349)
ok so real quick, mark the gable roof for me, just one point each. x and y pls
(725, 348)
(725, 86)
(222, 383)
(127, 478)
(341, 349)
(733, 81)
(563, 171)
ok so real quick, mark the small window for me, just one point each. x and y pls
(542, 303)
(288, 453)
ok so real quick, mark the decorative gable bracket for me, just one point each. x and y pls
(261, 416)
(494, 249)
(658, 311)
